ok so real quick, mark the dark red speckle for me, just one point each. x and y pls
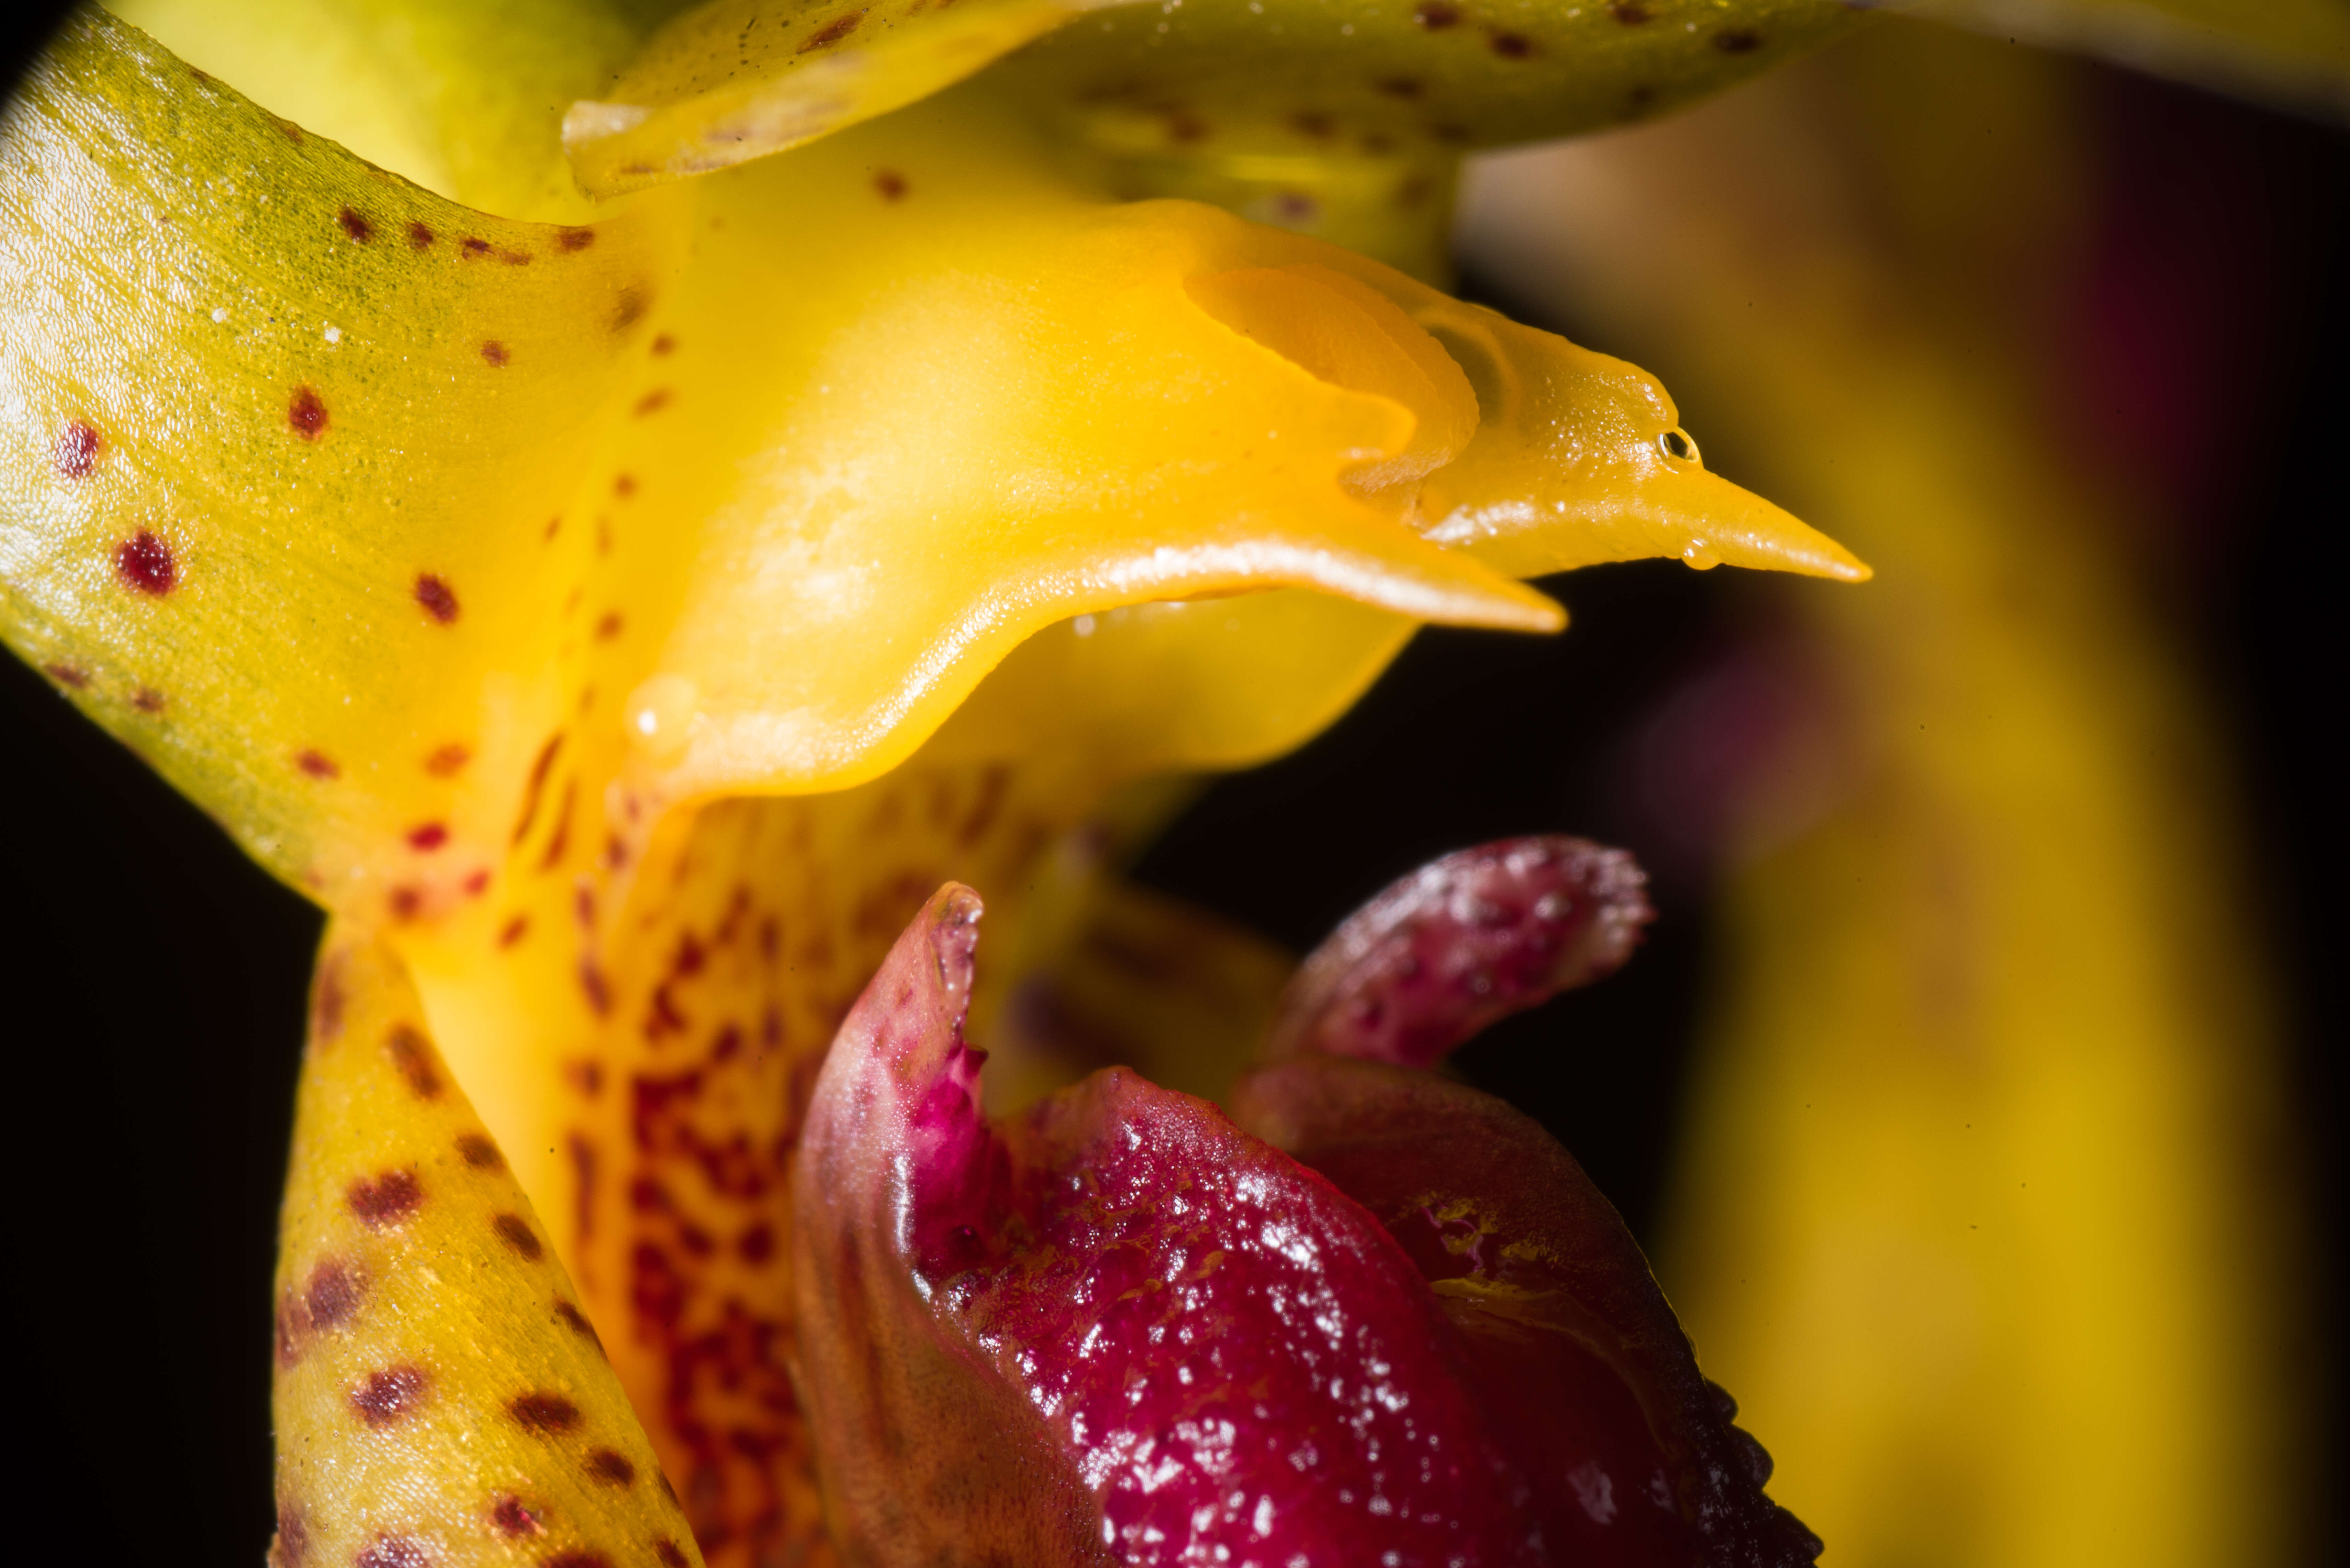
(1628, 11)
(473, 245)
(609, 626)
(495, 352)
(832, 32)
(144, 561)
(611, 1468)
(569, 240)
(306, 414)
(479, 1152)
(577, 1557)
(1399, 86)
(890, 183)
(653, 403)
(624, 484)
(420, 237)
(476, 883)
(439, 600)
(406, 902)
(578, 1323)
(512, 932)
(67, 675)
(516, 1232)
(147, 699)
(1512, 45)
(393, 1551)
(662, 344)
(356, 225)
(385, 1199)
(413, 1057)
(544, 1412)
(317, 764)
(388, 1394)
(427, 836)
(445, 761)
(1738, 42)
(509, 1518)
(75, 451)
(333, 1293)
(1435, 15)
(667, 1553)
(291, 1547)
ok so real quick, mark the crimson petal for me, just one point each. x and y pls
(1461, 943)
(1117, 1330)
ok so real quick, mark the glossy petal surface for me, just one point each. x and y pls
(1194, 1348)
(1628, 1450)
(440, 1397)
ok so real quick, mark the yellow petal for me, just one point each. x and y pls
(440, 1395)
(732, 80)
(466, 99)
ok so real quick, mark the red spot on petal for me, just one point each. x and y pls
(67, 675)
(385, 1199)
(405, 902)
(1512, 45)
(427, 836)
(667, 1551)
(1737, 42)
(473, 245)
(356, 225)
(317, 764)
(439, 601)
(445, 761)
(392, 1551)
(757, 1244)
(832, 32)
(653, 403)
(890, 183)
(609, 626)
(663, 344)
(77, 449)
(546, 1413)
(147, 699)
(611, 1468)
(420, 237)
(513, 931)
(146, 563)
(577, 1557)
(494, 351)
(516, 1232)
(388, 1394)
(509, 1518)
(413, 1056)
(1628, 11)
(479, 1152)
(334, 1293)
(574, 239)
(577, 1323)
(1435, 15)
(624, 484)
(515, 258)
(306, 413)
(477, 883)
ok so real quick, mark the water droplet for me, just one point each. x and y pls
(1676, 443)
(660, 715)
(1700, 555)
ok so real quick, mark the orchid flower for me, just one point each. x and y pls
(620, 507)
(623, 619)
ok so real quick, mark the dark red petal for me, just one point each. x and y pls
(1118, 1330)
(1593, 1385)
(1461, 943)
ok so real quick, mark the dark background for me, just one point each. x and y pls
(151, 984)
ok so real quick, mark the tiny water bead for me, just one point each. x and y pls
(1676, 443)
(660, 715)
